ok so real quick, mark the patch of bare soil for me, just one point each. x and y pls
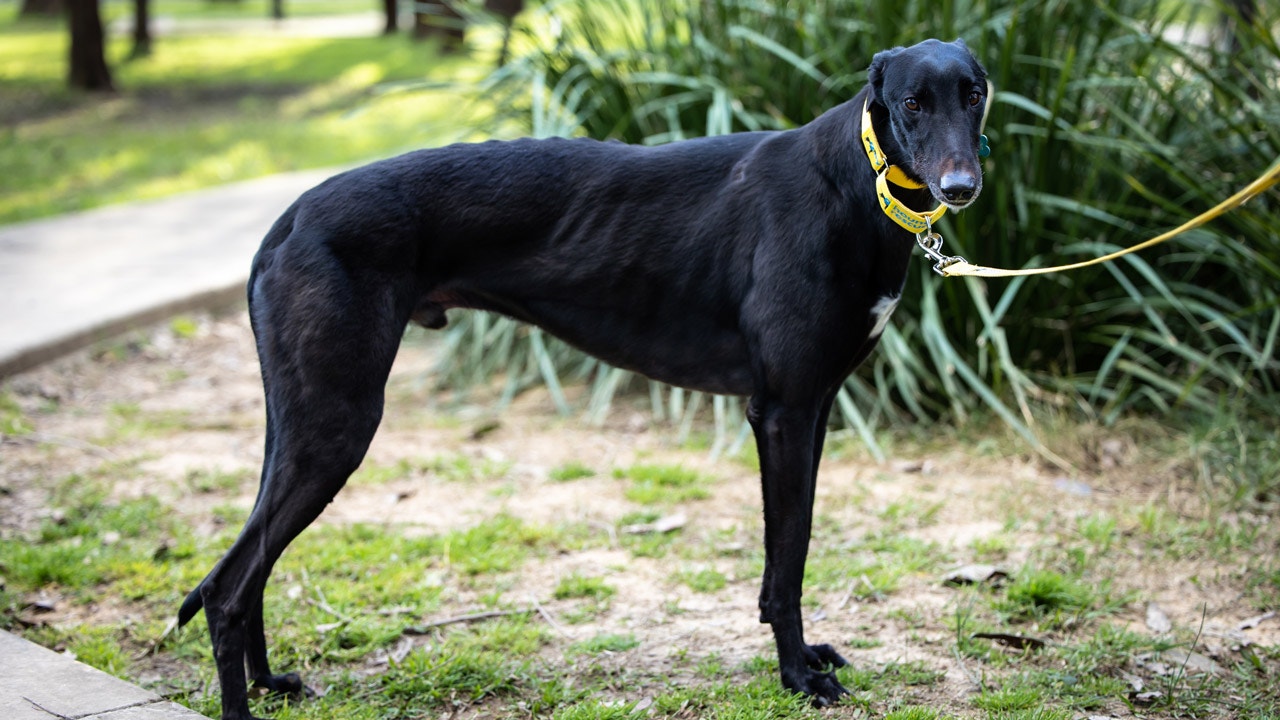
(94, 408)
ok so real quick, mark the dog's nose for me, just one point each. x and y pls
(958, 187)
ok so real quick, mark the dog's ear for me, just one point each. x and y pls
(875, 73)
(991, 93)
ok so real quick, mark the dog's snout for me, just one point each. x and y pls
(959, 187)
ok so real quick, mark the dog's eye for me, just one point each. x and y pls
(911, 104)
(975, 98)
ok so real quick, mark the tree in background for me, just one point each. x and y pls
(442, 19)
(141, 29)
(88, 61)
(506, 10)
(392, 9)
(45, 8)
(436, 19)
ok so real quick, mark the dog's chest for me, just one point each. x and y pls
(880, 314)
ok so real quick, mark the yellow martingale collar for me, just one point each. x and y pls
(910, 220)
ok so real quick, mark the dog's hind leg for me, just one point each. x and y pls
(327, 335)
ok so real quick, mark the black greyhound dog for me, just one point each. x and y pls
(760, 264)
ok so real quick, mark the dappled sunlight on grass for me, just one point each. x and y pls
(353, 81)
(207, 110)
(242, 159)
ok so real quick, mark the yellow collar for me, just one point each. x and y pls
(916, 222)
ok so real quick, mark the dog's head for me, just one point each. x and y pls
(936, 95)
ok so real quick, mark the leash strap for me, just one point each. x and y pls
(953, 266)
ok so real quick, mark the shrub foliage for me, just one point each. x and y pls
(1112, 120)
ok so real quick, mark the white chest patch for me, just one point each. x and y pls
(880, 313)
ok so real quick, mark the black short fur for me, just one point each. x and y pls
(754, 264)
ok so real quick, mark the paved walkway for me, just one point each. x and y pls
(68, 281)
(40, 684)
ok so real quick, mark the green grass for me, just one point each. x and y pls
(706, 580)
(663, 484)
(204, 110)
(570, 471)
(343, 594)
(449, 467)
(580, 586)
(13, 419)
(607, 643)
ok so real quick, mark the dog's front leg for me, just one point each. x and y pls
(788, 439)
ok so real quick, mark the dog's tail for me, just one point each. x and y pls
(191, 605)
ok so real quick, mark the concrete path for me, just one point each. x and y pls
(74, 279)
(39, 684)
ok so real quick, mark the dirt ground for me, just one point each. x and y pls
(206, 381)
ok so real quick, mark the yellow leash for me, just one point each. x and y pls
(954, 266)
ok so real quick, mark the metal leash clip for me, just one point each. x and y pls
(931, 243)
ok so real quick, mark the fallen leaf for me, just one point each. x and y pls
(1019, 642)
(664, 524)
(1177, 660)
(1157, 621)
(484, 428)
(1146, 698)
(162, 551)
(1152, 663)
(398, 497)
(1253, 622)
(975, 574)
(401, 650)
(1073, 487)
(1192, 662)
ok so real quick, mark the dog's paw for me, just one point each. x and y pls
(289, 684)
(822, 688)
(821, 657)
(815, 678)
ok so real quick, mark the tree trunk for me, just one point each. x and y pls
(277, 9)
(41, 8)
(141, 29)
(507, 10)
(392, 8)
(438, 20)
(88, 66)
